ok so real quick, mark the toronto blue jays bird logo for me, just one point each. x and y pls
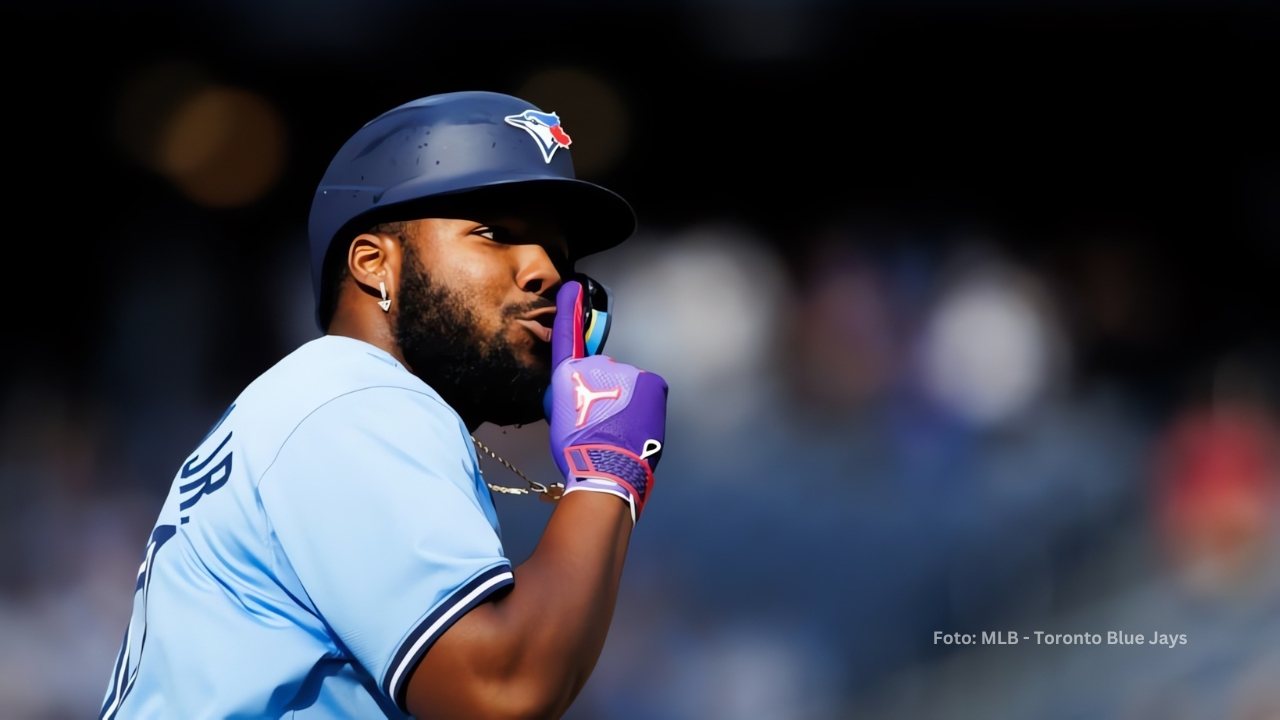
(545, 129)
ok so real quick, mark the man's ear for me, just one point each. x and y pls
(374, 258)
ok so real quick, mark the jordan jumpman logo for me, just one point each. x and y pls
(585, 396)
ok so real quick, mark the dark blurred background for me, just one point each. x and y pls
(964, 305)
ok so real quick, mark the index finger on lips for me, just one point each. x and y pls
(567, 340)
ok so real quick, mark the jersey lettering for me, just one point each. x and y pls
(207, 482)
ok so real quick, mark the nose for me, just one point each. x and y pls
(537, 272)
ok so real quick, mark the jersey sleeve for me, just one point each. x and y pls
(374, 504)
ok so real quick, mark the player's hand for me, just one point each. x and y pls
(608, 419)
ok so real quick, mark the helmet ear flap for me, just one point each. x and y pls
(597, 313)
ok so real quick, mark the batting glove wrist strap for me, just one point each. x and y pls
(609, 469)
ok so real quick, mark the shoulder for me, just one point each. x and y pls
(390, 412)
(335, 364)
(340, 390)
(327, 369)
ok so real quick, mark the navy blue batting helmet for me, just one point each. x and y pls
(449, 145)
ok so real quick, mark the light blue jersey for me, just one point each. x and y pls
(328, 529)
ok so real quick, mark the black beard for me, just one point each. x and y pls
(482, 378)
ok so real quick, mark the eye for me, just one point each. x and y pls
(494, 233)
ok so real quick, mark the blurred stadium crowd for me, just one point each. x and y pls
(992, 353)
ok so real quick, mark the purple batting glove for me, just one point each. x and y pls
(608, 419)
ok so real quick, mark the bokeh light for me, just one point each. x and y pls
(223, 146)
(703, 308)
(991, 347)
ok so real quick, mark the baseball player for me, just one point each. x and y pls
(330, 549)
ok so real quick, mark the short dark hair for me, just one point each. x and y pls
(335, 268)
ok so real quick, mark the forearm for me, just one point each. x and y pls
(531, 651)
(578, 563)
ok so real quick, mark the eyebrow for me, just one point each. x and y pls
(523, 228)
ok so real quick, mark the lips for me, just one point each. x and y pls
(542, 332)
(539, 323)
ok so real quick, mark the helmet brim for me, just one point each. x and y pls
(594, 218)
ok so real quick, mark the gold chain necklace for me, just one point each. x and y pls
(549, 493)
